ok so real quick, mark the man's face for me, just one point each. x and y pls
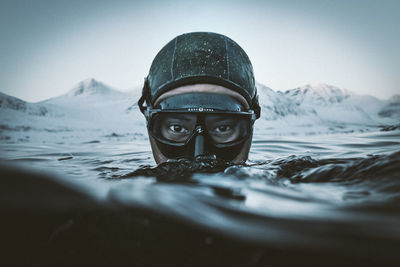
(220, 128)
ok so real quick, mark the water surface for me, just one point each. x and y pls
(335, 194)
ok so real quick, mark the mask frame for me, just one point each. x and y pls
(199, 143)
(151, 113)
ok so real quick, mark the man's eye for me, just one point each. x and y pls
(223, 128)
(176, 128)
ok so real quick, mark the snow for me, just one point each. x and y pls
(392, 109)
(274, 105)
(94, 111)
(89, 111)
(318, 94)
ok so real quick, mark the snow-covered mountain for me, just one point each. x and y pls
(90, 110)
(94, 105)
(333, 104)
(275, 106)
(93, 110)
(12, 103)
(89, 90)
(392, 109)
(90, 87)
(318, 94)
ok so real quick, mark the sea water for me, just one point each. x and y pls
(335, 194)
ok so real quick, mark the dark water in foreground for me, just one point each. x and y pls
(315, 200)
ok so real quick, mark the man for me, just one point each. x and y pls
(201, 99)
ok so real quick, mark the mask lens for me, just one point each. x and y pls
(174, 127)
(221, 129)
(224, 129)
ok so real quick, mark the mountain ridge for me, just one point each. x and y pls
(308, 99)
(19, 105)
(91, 86)
(318, 94)
(94, 106)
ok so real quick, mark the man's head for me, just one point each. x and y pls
(200, 99)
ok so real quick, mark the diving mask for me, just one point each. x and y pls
(196, 124)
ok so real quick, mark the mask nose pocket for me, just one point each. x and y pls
(199, 141)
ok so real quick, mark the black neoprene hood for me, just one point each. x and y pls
(201, 57)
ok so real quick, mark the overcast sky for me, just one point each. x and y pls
(48, 46)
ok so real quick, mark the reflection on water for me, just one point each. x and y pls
(322, 193)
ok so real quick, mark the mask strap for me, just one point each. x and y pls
(256, 106)
(145, 96)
